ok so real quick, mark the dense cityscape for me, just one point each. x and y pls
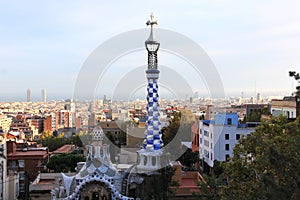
(34, 133)
(201, 144)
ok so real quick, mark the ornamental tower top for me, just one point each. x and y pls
(151, 43)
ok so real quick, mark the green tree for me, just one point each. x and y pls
(179, 130)
(266, 164)
(210, 188)
(46, 134)
(189, 158)
(256, 115)
(180, 126)
(64, 162)
(48, 140)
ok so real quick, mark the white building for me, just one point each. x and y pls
(218, 137)
(285, 106)
(5, 123)
(9, 180)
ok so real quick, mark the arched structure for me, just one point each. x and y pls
(97, 179)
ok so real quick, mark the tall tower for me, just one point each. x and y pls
(151, 156)
(28, 95)
(153, 135)
(44, 98)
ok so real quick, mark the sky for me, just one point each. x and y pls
(44, 44)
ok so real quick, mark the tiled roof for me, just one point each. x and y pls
(67, 148)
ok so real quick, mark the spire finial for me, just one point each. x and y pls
(151, 16)
(151, 22)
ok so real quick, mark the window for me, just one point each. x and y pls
(21, 175)
(206, 133)
(229, 121)
(206, 143)
(227, 147)
(13, 163)
(237, 136)
(227, 157)
(22, 188)
(206, 153)
(21, 163)
(226, 136)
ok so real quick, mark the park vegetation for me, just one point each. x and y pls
(265, 165)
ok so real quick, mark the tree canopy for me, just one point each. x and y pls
(265, 165)
(179, 130)
(47, 139)
(64, 162)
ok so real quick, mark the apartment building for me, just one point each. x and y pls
(5, 123)
(285, 106)
(218, 137)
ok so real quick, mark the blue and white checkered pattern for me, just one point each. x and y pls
(153, 135)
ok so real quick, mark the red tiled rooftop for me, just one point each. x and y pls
(27, 153)
(68, 148)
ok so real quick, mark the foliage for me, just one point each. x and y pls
(179, 125)
(64, 162)
(157, 185)
(46, 134)
(297, 78)
(116, 139)
(209, 189)
(255, 116)
(179, 130)
(265, 165)
(48, 140)
(189, 158)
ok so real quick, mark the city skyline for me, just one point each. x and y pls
(252, 44)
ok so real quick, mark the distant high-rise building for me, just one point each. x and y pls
(104, 99)
(28, 95)
(252, 100)
(258, 97)
(44, 98)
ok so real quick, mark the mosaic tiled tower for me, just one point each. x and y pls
(151, 157)
(153, 135)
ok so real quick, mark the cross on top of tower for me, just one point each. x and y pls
(151, 16)
(151, 22)
(151, 39)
